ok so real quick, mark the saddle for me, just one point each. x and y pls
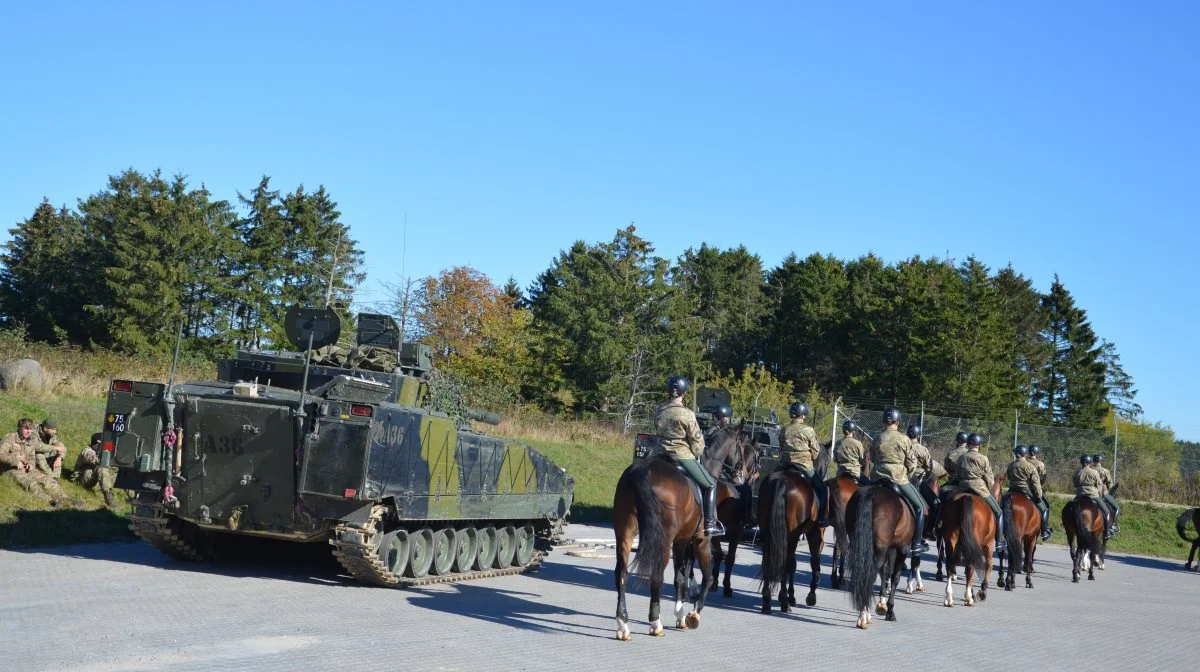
(883, 482)
(670, 459)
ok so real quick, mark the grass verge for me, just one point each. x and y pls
(1146, 529)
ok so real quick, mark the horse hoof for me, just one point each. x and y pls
(693, 620)
(766, 609)
(658, 633)
(949, 603)
(1029, 584)
(1091, 578)
(920, 588)
(1074, 579)
(982, 596)
(891, 616)
(881, 609)
(862, 625)
(939, 577)
(1000, 583)
(624, 636)
(811, 600)
(728, 592)
(784, 607)
(791, 600)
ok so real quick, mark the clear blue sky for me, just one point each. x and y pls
(1061, 139)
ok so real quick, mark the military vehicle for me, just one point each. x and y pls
(337, 446)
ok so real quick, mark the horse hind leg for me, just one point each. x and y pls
(692, 620)
(891, 602)
(624, 541)
(730, 556)
(887, 579)
(814, 564)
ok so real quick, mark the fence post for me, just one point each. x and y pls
(1016, 426)
(1116, 432)
(921, 422)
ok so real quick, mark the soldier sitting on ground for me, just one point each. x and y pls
(18, 460)
(1090, 484)
(49, 450)
(1022, 476)
(799, 447)
(976, 477)
(88, 472)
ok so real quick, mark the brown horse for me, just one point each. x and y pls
(734, 462)
(1084, 523)
(787, 508)
(1022, 528)
(879, 531)
(941, 543)
(968, 535)
(1190, 516)
(841, 489)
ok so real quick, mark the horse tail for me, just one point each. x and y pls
(652, 541)
(862, 551)
(775, 541)
(837, 514)
(1087, 538)
(1181, 525)
(969, 550)
(1016, 549)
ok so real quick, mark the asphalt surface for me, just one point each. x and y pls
(126, 607)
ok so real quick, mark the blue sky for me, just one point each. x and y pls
(1061, 140)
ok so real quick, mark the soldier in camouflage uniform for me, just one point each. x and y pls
(680, 436)
(18, 460)
(1022, 476)
(848, 454)
(720, 428)
(975, 476)
(48, 449)
(89, 473)
(1106, 493)
(1090, 484)
(798, 446)
(892, 459)
(1035, 458)
(951, 461)
(925, 472)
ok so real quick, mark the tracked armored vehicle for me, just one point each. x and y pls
(336, 447)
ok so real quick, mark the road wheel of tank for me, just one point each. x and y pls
(394, 551)
(506, 546)
(443, 551)
(524, 551)
(465, 549)
(485, 538)
(420, 555)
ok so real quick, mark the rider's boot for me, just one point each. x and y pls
(918, 543)
(1001, 538)
(1046, 531)
(822, 503)
(712, 526)
(935, 511)
(1108, 526)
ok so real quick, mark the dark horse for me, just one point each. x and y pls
(1023, 527)
(1084, 523)
(968, 535)
(879, 527)
(1190, 516)
(655, 500)
(841, 489)
(735, 461)
(787, 508)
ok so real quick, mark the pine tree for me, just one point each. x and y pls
(810, 320)
(43, 283)
(1071, 389)
(1121, 393)
(727, 288)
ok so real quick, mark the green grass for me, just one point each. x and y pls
(595, 468)
(27, 519)
(1146, 529)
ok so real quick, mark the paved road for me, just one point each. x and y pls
(125, 607)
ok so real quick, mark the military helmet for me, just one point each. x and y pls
(960, 438)
(677, 386)
(975, 440)
(1021, 451)
(723, 412)
(797, 409)
(96, 438)
(1085, 460)
(1097, 458)
(913, 431)
(849, 426)
(891, 415)
(1035, 450)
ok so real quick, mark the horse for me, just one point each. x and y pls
(915, 584)
(1084, 523)
(968, 533)
(879, 530)
(941, 543)
(787, 508)
(841, 489)
(733, 461)
(1023, 527)
(1189, 516)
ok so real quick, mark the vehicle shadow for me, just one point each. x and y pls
(507, 607)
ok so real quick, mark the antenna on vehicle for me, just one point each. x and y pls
(169, 402)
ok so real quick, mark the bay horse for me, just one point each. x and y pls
(1084, 524)
(1189, 516)
(841, 489)
(879, 531)
(941, 543)
(968, 534)
(733, 462)
(1022, 528)
(787, 508)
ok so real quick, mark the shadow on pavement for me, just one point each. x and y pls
(507, 607)
(1150, 563)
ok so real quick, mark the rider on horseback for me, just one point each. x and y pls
(680, 435)
(1022, 477)
(1106, 493)
(799, 447)
(924, 474)
(975, 476)
(848, 454)
(720, 427)
(950, 464)
(1090, 484)
(1035, 458)
(892, 458)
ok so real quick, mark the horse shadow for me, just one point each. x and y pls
(1150, 563)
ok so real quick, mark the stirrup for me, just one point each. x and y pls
(716, 530)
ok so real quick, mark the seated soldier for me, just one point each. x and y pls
(975, 476)
(1089, 485)
(798, 445)
(891, 459)
(925, 472)
(720, 429)
(18, 460)
(1106, 492)
(848, 454)
(48, 449)
(1023, 477)
(680, 436)
(89, 473)
(1035, 458)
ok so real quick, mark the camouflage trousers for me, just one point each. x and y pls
(37, 482)
(93, 476)
(45, 463)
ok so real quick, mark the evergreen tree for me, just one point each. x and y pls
(727, 288)
(1071, 389)
(44, 279)
(1121, 393)
(808, 326)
